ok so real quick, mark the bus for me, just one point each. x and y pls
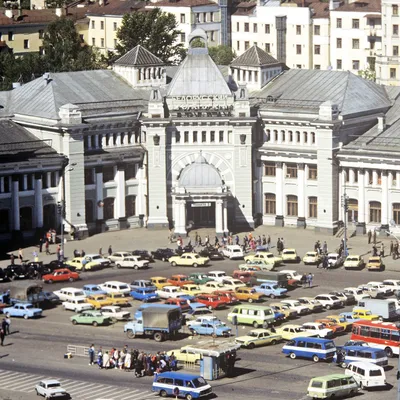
(381, 335)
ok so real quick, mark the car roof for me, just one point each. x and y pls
(365, 365)
(289, 250)
(90, 285)
(314, 339)
(179, 276)
(178, 375)
(71, 288)
(171, 286)
(364, 348)
(50, 381)
(330, 377)
(93, 254)
(158, 277)
(116, 283)
(216, 272)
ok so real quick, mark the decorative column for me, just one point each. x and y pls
(279, 194)
(177, 216)
(342, 185)
(96, 141)
(301, 212)
(120, 197)
(99, 209)
(180, 217)
(15, 203)
(384, 203)
(360, 227)
(351, 176)
(225, 212)
(218, 216)
(39, 200)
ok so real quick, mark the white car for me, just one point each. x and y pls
(118, 256)
(98, 259)
(318, 328)
(393, 284)
(115, 313)
(232, 284)
(132, 262)
(218, 276)
(329, 301)
(292, 273)
(380, 288)
(296, 306)
(170, 291)
(116, 287)
(334, 260)
(77, 305)
(233, 252)
(356, 292)
(311, 303)
(70, 293)
(371, 291)
(212, 286)
(50, 388)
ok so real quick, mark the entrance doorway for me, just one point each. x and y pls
(201, 215)
(49, 216)
(352, 211)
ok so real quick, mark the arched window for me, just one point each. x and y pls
(375, 211)
(109, 208)
(283, 136)
(313, 207)
(130, 206)
(292, 206)
(25, 215)
(89, 211)
(270, 203)
(4, 221)
(396, 213)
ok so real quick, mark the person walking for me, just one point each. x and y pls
(310, 279)
(12, 259)
(100, 358)
(391, 248)
(47, 247)
(2, 335)
(20, 255)
(91, 354)
(382, 250)
(109, 250)
(369, 236)
(303, 280)
(325, 263)
(8, 321)
(58, 253)
(374, 237)
(40, 245)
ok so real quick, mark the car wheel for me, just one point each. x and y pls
(158, 337)
(77, 310)
(135, 267)
(173, 264)
(251, 346)
(273, 342)
(118, 265)
(389, 352)
(272, 296)
(193, 332)
(163, 393)
(292, 356)
(50, 281)
(250, 300)
(26, 316)
(71, 279)
(94, 323)
(380, 319)
(130, 334)
(328, 307)
(256, 324)
(189, 397)
(315, 358)
(343, 365)
(195, 265)
(74, 322)
(248, 262)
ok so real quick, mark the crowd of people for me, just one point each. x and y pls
(141, 363)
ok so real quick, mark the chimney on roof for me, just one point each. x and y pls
(381, 123)
(46, 78)
(9, 13)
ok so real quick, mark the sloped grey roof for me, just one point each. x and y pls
(92, 89)
(200, 174)
(139, 56)
(254, 57)
(310, 88)
(198, 75)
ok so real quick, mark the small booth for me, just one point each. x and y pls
(218, 359)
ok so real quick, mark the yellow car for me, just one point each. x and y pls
(189, 260)
(159, 281)
(118, 299)
(99, 300)
(291, 331)
(375, 263)
(290, 255)
(353, 262)
(362, 313)
(77, 264)
(258, 337)
(284, 309)
(185, 355)
(248, 294)
(312, 257)
(268, 258)
(192, 289)
(339, 320)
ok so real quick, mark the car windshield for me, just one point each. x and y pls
(252, 291)
(368, 313)
(253, 334)
(329, 345)
(79, 294)
(162, 281)
(276, 287)
(94, 289)
(269, 256)
(296, 303)
(342, 320)
(310, 254)
(199, 382)
(352, 259)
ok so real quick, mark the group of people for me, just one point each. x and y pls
(307, 280)
(143, 364)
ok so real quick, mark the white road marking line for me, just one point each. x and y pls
(24, 384)
(11, 374)
(87, 388)
(12, 380)
(100, 389)
(75, 387)
(122, 393)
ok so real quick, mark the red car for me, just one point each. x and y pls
(182, 303)
(244, 276)
(211, 301)
(179, 280)
(60, 275)
(227, 296)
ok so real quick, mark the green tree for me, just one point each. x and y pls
(155, 30)
(222, 55)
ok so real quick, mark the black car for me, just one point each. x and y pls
(163, 254)
(186, 249)
(55, 264)
(212, 253)
(143, 254)
(14, 271)
(4, 276)
(44, 299)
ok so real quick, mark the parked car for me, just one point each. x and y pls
(340, 320)
(141, 283)
(356, 292)
(116, 287)
(232, 252)
(132, 262)
(211, 301)
(331, 324)
(194, 313)
(16, 271)
(94, 318)
(99, 300)
(265, 256)
(143, 254)
(188, 260)
(232, 283)
(144, 294)
(77, 305)
(329, 301)
(290, 255)
(353, 262)
(119, 299)
(371, 292)
(218, 276)
(199, 278)
(51, 389)
(375, 264)
(393, 284)
(163, 254)
(335, 260)
(312, 257)
(170, 291)
(319, 329)
(210, 328)
(115, 313)
(258, 337)
(226, 296)
(186, 355)
(284, 309)
(292, 275)
(204, 318)
(296, 306)
(248, 294)
(345, 298)
(159, 281)
(24, 310)
(311, 303)
(211, 253)
(191, 289)
(61, 275)
(70, 293)
(99, 259)
(350, 317)
(212, 286)
(118, 256)
(271, 290)
(362, 313)
(179, 280)
(93, 289)
(291, 331)
(182, 303)
(380, 288)
(81, 264)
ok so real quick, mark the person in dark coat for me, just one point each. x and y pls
(369, 236)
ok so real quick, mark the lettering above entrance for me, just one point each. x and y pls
(201, 102)
(201, 204)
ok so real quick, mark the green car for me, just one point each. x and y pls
(199, 278)
(90, 318)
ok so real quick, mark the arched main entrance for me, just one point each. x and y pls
(49, 217)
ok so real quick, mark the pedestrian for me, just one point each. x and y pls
(83, 253)
(303, 280)
(325, 248)
(374, 237)
(374, 251)
(391, 248)
(325, 263)
(20, 255)
(58, 252)
(369, 236)
(100, 251)
(310, 279)
(109, 250)
(216, 241)
(8, 321)
(269, 241)
(47, 247)
(2, 335)
(382, 250)
(100, 358)
(106, 360)
(278, 245)
(91, 354)
(40, 245)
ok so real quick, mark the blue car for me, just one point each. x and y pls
(270, 289)
(93, 289)
(349, 317)
(144, 294)
(213, 328)
(279, 316)
(23, 310)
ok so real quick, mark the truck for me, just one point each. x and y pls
(384, 308)
(159, 321)
(24, 291)
(281, 279)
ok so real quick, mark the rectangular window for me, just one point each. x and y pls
(102, 25)
(183, 18)
(270, 203)
(26, 43)
(270, 169)
(213, 36)
(267, 29)
(396, 213)
(338, 43)
(291, 171)
(317, 30)
(212, 136)
(246, 45)
(395, 9)
(298, 48)
(392, 73)
(203, 136)
(108, 173)
(268, 47)
(356, 64)
(130, 171)
(312, 207)
(115, 26)
(298, 29)
(292, 206)
(356, 44)
(93, 41)
(221, 136)
(183, 37)
(355, 24)
(375, 211)
(255, 28)
(317, 49)
(186, 137)
(10, 36)
(312, 172)
(317, 66)
(195, 137)
(89, 177)
(41, 33)
(395, 50)
(93, 24)
(395, 30)
(102, 42)
(237, 27)
(246, 27)
(197, 16)
(338, 64)
(339, 23)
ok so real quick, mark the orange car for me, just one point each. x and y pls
(60, 275)
(337, 329)
(179, 280)
(248, 294)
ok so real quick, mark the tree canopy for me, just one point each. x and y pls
(221, 54)
(155, 30)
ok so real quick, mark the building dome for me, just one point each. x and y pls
(200, 174)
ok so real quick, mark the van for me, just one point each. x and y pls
(313, 348)
(384, 309)
(233, 252)
(366, 374)
(252, 315)
(332, 386)
(348, 354)
(181, 385)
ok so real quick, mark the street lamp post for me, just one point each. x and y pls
(345, 205)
